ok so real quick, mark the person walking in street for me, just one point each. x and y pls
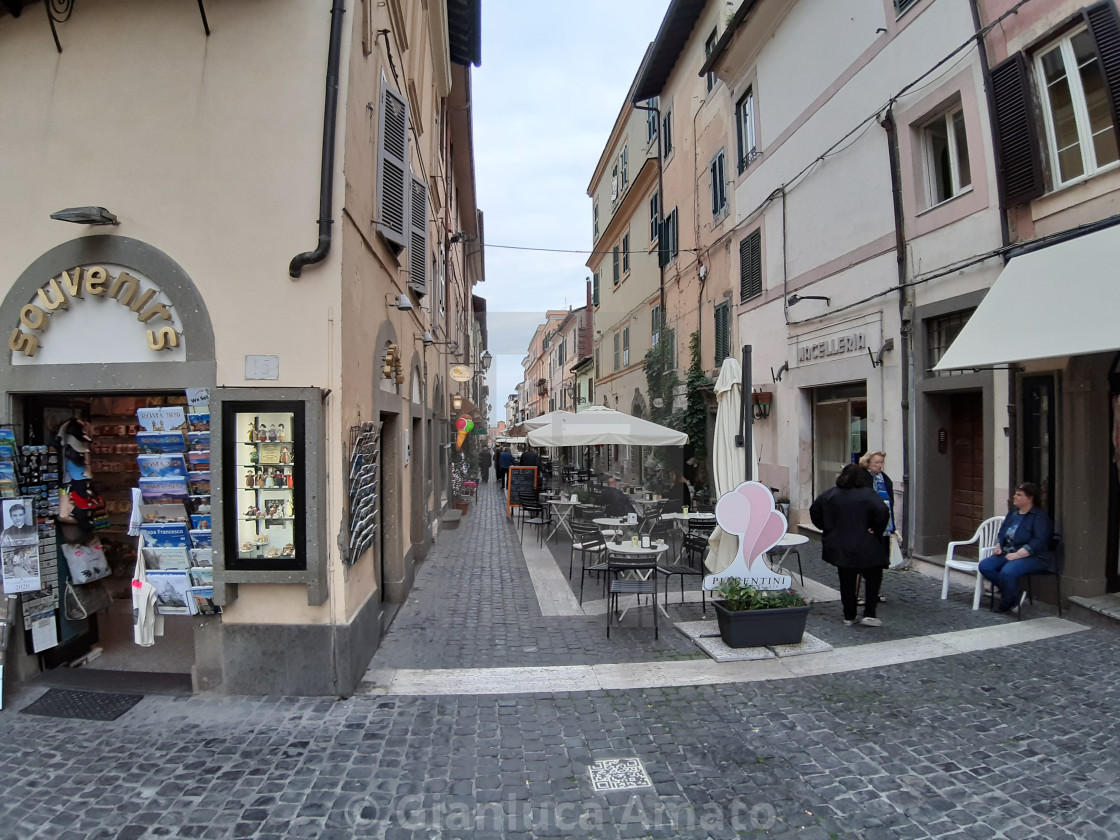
(852, 518)
(505, 461)
(883, 486)
(530, 458)
(1022, 547)
(485, 460)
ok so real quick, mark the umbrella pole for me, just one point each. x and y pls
(746, 412)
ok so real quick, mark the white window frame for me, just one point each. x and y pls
(625, 253)
(625, 346)
(655, 325)
(623, 169)
(709, 46)
(667, 134)
(654, 217)
(1080, 111)
(745, 138)
(651, 119)
(945, 118)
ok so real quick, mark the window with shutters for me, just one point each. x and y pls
(595, 289)
(750, 266)
(615, 265)
(723, 332)
(626, 253)
(596, 362)
(624, 170)
(709, 45)
(654, 218)
(654, 326)
(718, 171)
(902, 5)
(1080, 131)
(745, 130)
(1074, 81)
(418, 238)
(595, 222)
(671, 241)
(625, 346)
(948, 173)
(651, 120)
(392, 167)
(617, 339)
(667, 134)
(614, 183)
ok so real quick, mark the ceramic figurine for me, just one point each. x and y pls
(249, 481)
(252, 433)
(254, 456)
(280, 433)
(272, 433)
(262, 432)
(285, 455)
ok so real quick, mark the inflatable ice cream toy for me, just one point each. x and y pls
(463, 426)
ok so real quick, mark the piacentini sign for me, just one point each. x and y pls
(71, 287)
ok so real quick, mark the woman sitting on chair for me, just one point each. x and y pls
(1023, 546)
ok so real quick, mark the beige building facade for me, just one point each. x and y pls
(223, 154)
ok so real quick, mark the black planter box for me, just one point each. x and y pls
(758, 628)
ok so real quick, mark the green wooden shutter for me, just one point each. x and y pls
(1105, 29)
(595, 289)
(750, 266)
(723, 313)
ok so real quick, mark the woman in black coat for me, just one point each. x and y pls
(852, 518)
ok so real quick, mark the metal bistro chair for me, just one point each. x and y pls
(629, 586)
(693, 547)
(586, 539)
(986, 539)
(532, 512)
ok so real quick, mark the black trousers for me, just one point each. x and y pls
(849, 590)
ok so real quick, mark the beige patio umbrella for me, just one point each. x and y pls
(728, 468)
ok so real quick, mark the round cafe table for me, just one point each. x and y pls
(790, 542)
(609, 524)
(563, 508)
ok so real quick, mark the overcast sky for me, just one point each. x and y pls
(553, 78)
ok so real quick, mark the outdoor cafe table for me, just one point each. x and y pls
(790, 542)
(563, 509)
(628, 548)
(608, 524)
(682, 519)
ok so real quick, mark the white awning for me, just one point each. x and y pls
(1057, 301)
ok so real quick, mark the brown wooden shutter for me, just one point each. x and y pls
(392, 167)
(1105, 29)
(418, 238)
(1018, 153)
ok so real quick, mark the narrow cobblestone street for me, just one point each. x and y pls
(1003, 743)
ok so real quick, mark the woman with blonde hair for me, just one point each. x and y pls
(873, 461)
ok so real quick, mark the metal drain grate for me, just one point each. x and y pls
(619, 774)
(82, 705)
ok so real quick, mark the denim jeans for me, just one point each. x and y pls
(1005, 574)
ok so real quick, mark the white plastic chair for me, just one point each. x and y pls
(985, 538)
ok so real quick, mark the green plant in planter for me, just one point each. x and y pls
(739, 596)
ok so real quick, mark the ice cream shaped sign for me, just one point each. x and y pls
(748, 512)
(463, 427)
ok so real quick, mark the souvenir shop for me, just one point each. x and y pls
(110, 432)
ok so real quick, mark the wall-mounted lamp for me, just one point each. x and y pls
(403, 303)
(761, 401)
(793, 300)
(485, 359)
(461, 236)
(777, 377)
(456, 402)
(428, 340)
(877, 358)
(86, 216)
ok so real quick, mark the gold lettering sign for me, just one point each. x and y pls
(56, 295)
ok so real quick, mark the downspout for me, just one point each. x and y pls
(1005, 233)
(906, 316)
(326, 175)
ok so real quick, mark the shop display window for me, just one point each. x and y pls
(264, 480)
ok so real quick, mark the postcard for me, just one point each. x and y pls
(200, 459)
(200, 538)
(202, 576)
(199, 482)
(164, 534)
(204, 600)
(172, 592)
(166, 558)
(198, 422)
(202, 557)
(198, 441)
(159, 466)
(157, 442)
(165, 489)
(200, 521)
(163, 513)
(166, 418)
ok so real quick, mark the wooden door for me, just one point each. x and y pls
(966, 439)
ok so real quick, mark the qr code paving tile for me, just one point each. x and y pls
(619, 774)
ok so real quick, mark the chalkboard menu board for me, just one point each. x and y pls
(519, 480)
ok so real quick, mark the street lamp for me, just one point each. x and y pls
(456, 402)
(485, 360)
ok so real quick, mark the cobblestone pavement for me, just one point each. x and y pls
(473, 606)
(1015, 743)
(1011, 743)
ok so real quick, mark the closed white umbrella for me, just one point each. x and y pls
(728, 467)
(598, 425)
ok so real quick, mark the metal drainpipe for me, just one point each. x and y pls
(906, 314)
(326, 174)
